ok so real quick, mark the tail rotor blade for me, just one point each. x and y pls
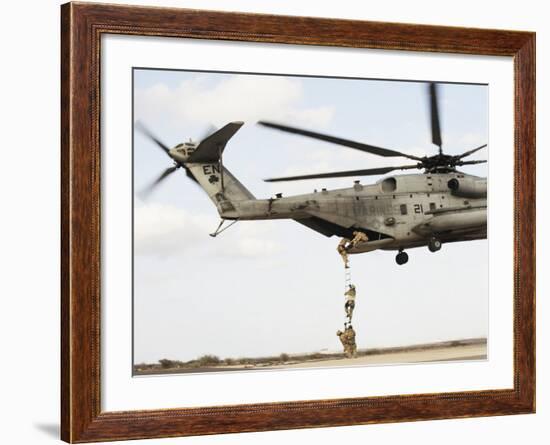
(145, 131)
(434, 114)
(145, 192)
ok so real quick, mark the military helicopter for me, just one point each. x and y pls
(398, 212)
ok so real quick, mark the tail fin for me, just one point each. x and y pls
(219, 183)
(211, 148)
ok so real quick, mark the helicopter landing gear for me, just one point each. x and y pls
(401, 258)
(434, 244)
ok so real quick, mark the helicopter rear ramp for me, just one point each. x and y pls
(369, 246)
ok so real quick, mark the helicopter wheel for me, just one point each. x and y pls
(401, 258)
(434, 244)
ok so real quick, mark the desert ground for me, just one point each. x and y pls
(447, 353)
(471, 349)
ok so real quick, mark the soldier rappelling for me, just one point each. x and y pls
(345, 245)
(358, 238)
(348, 340)
(342, 250)
(350, 302)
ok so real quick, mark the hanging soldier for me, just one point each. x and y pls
(342, 338)
(358, 238)
(342, 246)
(350, 340)
(350, 301)
(347, 338)
(346, 244)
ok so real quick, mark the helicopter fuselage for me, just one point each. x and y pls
(397, 212)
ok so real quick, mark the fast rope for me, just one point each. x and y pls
(349, 294)
(347, 278)
(347, 336)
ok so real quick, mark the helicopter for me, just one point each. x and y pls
(398, 212)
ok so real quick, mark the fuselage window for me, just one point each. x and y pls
(403, 208)
(432, 205)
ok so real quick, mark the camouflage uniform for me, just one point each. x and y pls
(351, 341)
(342, 338)
(348, 341)
(358, 238)
(350, 301)
(342, 250)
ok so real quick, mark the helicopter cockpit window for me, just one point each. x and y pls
(389, 185)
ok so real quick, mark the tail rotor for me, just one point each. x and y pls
(177, 154)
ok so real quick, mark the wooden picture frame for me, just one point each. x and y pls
(82, 26)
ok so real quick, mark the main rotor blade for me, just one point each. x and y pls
(139, 126)
(162, 176)
(342, 174)
(434, 114)
(460, 163)
(335, 140)
(469, 152)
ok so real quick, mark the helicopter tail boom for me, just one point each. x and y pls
(205, 165)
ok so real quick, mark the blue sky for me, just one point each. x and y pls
(269, 287)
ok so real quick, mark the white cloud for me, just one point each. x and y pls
(165, 230)
(252, 239)
(247, 98)
(252, 247)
